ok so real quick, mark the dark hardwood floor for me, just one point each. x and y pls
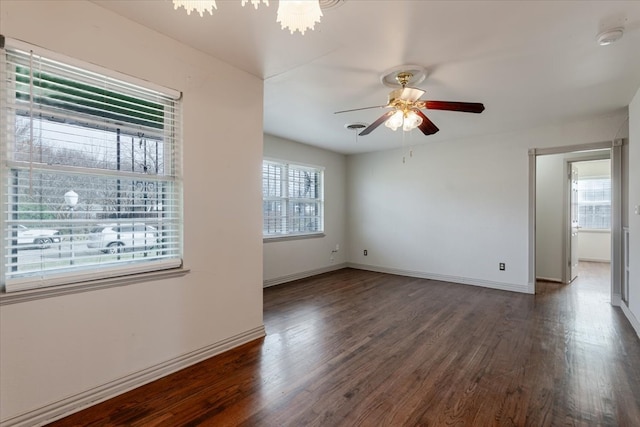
(357, 348)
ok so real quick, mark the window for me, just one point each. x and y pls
(292, 199)
(594, 203)
(90, 173)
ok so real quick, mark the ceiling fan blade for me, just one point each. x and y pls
(427, 127)
(466, 107)
(377, 123)
(364, 108)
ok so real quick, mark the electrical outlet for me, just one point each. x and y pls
(502, 266)
(365, 252)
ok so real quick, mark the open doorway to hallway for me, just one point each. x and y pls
(573, 212)
(550, 168)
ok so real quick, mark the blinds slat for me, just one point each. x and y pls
(115, 145)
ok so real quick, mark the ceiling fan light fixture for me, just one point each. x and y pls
(200, 6)
(395, 121)
(407, 120)
(298, 15)
(411, 121)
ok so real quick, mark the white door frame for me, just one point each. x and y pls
(616, 209)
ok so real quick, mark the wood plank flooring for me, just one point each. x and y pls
(357, 348)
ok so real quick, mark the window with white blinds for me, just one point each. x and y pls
(292, 199)
(594, 203)
(91, 184)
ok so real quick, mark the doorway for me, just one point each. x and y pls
(550, 231)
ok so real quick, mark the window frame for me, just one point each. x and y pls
(76, 280)
(286, 200)
(593, 204)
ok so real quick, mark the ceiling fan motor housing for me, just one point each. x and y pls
(404, 95)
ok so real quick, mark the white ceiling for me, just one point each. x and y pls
(531, 63)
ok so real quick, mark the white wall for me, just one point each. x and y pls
(291, 259)
(550, 208)
(54, 348)
(455, 209)
(634, 219)
(594, 245)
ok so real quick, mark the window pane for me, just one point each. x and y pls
(594, 203)
(272, 217)
(112, 146)
(292, 199)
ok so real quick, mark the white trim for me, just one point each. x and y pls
(41, 51)
(302, 165)
(531, 276)
(283, 237)
(616, 300)
(75, 403)
(444, 278)
(616, 201)
(603, 260)
(55, 291)
(301, 275)
(86, 276)
(632, 319)
(550, 279)
(565, 149)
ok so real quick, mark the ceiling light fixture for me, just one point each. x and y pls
(299, 15)
(409, 120)
(611, 36)
(200, 6)
(296, 15)
(255, 3)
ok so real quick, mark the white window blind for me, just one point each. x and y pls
(292, 199)
(67, 130)
(594, 203)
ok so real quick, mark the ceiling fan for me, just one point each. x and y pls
(406, 106)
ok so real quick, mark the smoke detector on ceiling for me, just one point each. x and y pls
(611, 36)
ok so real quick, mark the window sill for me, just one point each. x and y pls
(292, 237)
(594, 230)
(55, 291)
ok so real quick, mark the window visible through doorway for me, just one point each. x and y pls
(594, 203)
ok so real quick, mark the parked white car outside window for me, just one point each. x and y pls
(39, 237)
(118, 238)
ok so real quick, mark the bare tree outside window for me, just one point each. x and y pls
(110, 142)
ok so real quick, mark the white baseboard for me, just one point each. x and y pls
(549, 279)
(443, 278)
(616, 300)
(302, 275)
(632, 319)
(68, 406)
